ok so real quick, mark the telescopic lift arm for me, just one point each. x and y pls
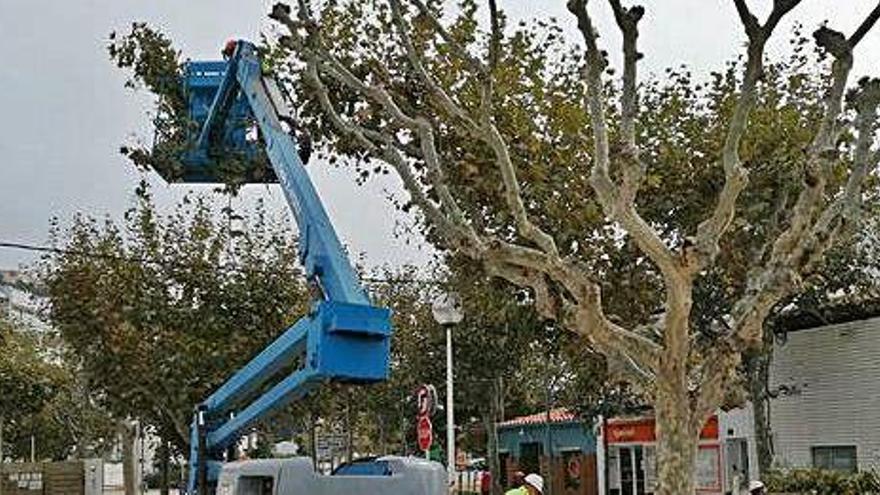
(344, 337)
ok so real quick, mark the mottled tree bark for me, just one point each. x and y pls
(676, 447)
(129, 457)
(758, 370)
(165, 466)
(490, 421)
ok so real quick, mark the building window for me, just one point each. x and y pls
(837, 458)
(709, 468)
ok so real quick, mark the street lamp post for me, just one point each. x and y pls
(447, 312)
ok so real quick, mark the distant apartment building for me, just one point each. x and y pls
(20, 306)
(7, 281)
(826, 413)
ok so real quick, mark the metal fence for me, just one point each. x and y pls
(467, 482)
(43, 478)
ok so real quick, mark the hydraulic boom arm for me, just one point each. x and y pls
(344, 337)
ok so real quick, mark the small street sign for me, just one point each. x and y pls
(329, 445)
(425, 433)
(426, 400)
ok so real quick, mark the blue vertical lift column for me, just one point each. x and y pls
(344, 337)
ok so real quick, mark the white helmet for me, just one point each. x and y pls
(536, 481)
(756, 485)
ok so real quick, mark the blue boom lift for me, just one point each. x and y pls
(344, 338)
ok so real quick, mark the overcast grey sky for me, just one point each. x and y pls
(65, 111)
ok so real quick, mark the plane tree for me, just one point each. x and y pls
(520, 152)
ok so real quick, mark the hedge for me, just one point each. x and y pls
(823, 482)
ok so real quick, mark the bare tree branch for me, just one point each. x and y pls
(627, 20)
(866, 26)
(415, 60)
(495, 36)
(596, 63)
(484, 130)
(746, 17)
(709, 231)
(807, 238)
(475, 63)
(618, 203)
(319, 57)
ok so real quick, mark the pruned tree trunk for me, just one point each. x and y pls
(758, 371)
(129, 461)
(313, 437)
(165, 461)
(676, 456)
(677, 424)
(490, 421)
(676, 445)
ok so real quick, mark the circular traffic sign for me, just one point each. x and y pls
(425, 433)
(426, 400)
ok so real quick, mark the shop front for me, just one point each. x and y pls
(562, 450)
(631, 457)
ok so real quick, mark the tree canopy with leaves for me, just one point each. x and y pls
(163, 308)
(42, 397)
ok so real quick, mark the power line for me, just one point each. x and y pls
(50, 249)
(86, 254)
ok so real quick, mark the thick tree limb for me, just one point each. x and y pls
(618, 203)
(483, 129)
(809, 233)
(709, 231)
(532, 268)
(596, 63)
(866, 26)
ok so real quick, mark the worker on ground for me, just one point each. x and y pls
(757, 488)
(516, 484)
(534, 484)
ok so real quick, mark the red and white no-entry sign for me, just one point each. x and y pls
(425, 433)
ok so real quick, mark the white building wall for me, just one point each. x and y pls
(829, 378)
(739, 424)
